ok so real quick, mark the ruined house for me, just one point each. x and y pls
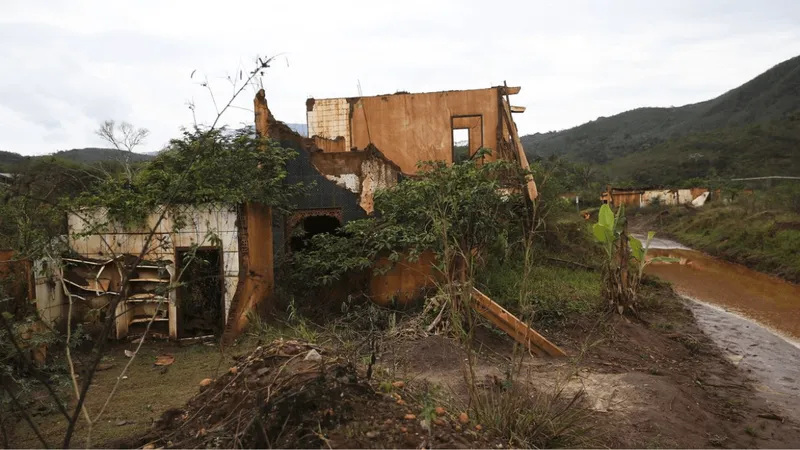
(357, 147)
(641, 197)
(407, 128)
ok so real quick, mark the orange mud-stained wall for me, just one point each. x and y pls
(408, 128)
(405, 282)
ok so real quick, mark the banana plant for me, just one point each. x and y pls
(622, 250)
(609, 228)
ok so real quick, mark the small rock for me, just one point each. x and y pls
(409, 417)
(103, 366)
(313, 355)
(233, 370)
(129, 353)
(401, 402)
(440, 411)
(463, 418)
(373, 434)
(388, 422)
(458, 428)
(205, 382)
(478, 427)
(404, 429)
(399, 384)
(439, 422)
(121, 422)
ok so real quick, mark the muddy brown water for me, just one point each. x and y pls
(753, 317)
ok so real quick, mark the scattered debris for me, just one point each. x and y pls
(399, 384)
(373, 434)
(104, 366)
(205, 382)
(463, 418)
(439, 411)
(164, 360)
(772, 416)
(409, 417)
(313, 355)
(425, 425)
(129, 353)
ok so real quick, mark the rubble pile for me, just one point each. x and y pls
(292, 394)
(284, 394)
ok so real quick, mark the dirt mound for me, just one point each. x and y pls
(291, 394)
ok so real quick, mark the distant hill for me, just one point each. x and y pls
(79, 155)
(759, 149)
(92, 155)
(645, 134)
(8, 159)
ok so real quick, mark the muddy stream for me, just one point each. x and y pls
(753, 317)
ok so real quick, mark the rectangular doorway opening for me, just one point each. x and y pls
(467, 136)
(199, 297)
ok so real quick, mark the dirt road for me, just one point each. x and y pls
(753, 317)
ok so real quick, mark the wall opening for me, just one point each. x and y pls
(467, 136)
(460, 145)
(200, 300)
(311, 226)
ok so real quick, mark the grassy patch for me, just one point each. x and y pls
(554, 294)
(142, 396)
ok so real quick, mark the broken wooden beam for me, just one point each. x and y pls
(511, 90)
(517, 109)
(514, 327)
(517, 145)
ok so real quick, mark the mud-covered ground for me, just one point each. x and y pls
(657, 383)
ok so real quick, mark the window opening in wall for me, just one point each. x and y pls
(200, 297)
(460, 144)
(310, 227)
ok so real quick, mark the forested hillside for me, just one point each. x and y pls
(756, 122)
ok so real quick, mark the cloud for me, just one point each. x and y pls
(69, 65)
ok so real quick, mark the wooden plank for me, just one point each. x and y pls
(123, 320)
(523, 160)
(513, 326)
(512, 331)
(517, 109)
(511, 90)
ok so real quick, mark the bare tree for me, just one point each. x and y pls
(124, 137)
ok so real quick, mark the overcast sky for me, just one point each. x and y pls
(65, 66)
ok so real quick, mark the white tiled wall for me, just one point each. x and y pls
(330, 118)
(199, 223)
